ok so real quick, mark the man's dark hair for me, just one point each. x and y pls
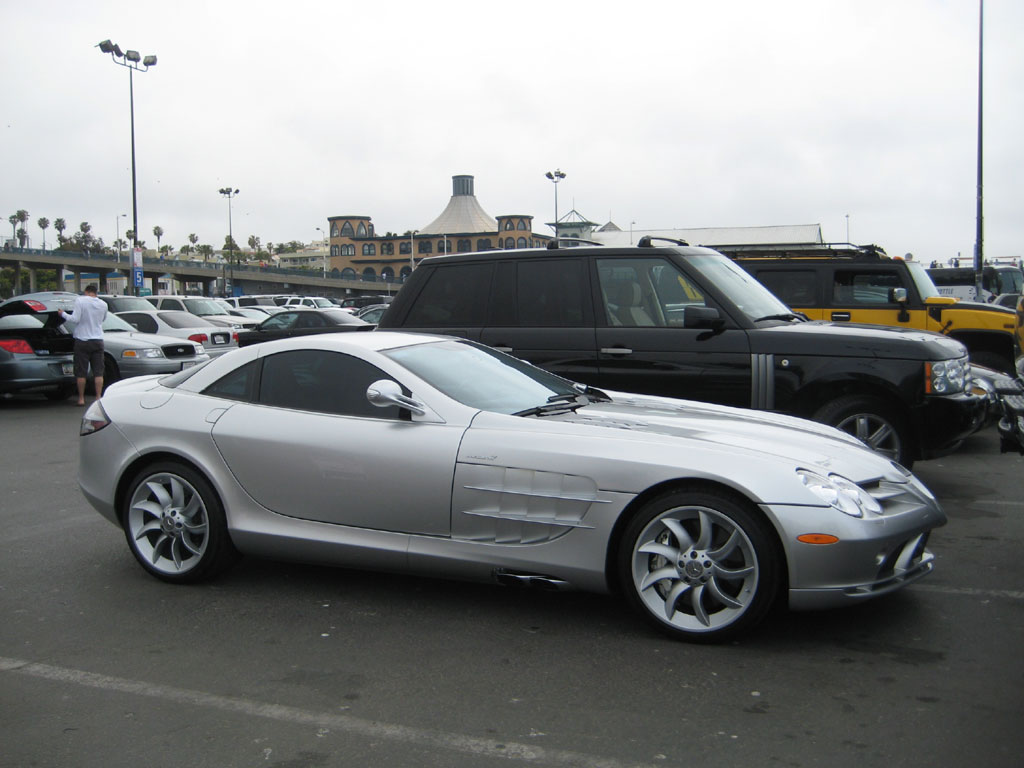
(91, 288)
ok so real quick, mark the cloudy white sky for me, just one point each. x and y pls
(668, 114)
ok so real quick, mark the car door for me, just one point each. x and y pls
(310, 446)
(646, 344)
(799, 288)
(543, 313)
(866, 294)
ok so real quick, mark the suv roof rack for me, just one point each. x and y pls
(849, 251)
(647, 241)
(554, 244)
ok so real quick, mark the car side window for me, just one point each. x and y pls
(240, 384)
(324, 382)
(549, 293)
(453, 295)
(646, 293)
(794, 287)
(280, 321)
(141, 322)
(864, 287)
(171, 304)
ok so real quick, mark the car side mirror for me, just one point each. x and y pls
(385, 393)
(701, 317)
(898, 295)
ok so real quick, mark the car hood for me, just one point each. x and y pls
(138, 339)
(732, 430)
(855, 340)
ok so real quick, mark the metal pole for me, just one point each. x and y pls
(135, 201)
(979, 234)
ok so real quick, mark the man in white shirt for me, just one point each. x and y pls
(88, 313)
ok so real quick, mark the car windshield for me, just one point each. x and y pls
(922, 281)
(114, 324)
(480, 377)
(204, 307)
(128, 303)
(752, 298)
(176, 319)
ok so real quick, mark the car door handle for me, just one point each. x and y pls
(840, 315)
(620, 351)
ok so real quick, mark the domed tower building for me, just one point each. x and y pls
(463, 226)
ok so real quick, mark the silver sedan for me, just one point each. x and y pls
(432, 455)
(216, 339)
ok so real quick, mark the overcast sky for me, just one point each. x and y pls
(666, 114)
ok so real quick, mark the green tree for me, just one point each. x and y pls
(22, 217)
(158, 232)
(13, 218)
(193, 239)
(206, 251)
(43, 224)
(60, 225)
(254, 243)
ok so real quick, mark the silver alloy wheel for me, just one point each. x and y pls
(695, 569)
(168, 523)
(871, 428)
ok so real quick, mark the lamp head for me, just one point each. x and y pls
(132, 56)
(149, 61)
(106, 46)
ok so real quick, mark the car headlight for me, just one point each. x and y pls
(836, 491)
(947, 376)
(137, 353)
(200, 350)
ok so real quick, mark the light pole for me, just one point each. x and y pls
(631, 232)
(412, 249)
(555, 176)
(135, 63)
(325, 252)
(229, 193)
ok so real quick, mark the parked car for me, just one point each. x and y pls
(128, 352)
(125, 303)
(215, 339)
(688, 322)
(702, 515)
(317, 302)
(208, 308)
(35, 356)
(372, 312)
(258, 313)
(302, 321)
(365, 300)
(863, 285)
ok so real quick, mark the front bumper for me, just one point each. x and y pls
(943, 422)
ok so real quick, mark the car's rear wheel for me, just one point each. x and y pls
(871, 421)
(700, 565)
(175, 524)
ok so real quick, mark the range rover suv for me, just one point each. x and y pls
(689, 323)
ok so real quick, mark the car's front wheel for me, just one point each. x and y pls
(873, 422)
(700, 565)
(175, 524)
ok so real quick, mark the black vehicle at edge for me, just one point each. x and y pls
(687, 322)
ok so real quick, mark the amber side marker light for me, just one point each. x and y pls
(818, 538)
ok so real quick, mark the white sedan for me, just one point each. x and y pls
(439, 456)
(216, 339)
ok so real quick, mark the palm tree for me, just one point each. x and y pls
(193, 239)
(43, 224)
(13, 218)
(158, 232)
(60, 225)
(205, 250)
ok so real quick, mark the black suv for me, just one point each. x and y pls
(861, 284)
(689, 323)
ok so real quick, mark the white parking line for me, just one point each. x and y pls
(1001, 593)
(507, 750)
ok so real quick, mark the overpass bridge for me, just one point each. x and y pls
(214, 278)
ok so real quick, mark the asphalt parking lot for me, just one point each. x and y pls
(284, 665)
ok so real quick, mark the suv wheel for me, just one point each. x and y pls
(872, 421)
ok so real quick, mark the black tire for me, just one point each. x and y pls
(993, 360)
(872, 421)
(700, 565)
(111, 372)
(175, 524)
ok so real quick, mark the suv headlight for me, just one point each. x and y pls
(836, 491)
(947, 376)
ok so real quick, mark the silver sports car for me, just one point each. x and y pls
(433, 455)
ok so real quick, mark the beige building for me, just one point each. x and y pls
(357, 251)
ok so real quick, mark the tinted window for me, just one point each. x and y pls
(322, 381)
(453, 295)
(237, 385)
(141, 320)
(550, 292)
(797, 288)
(864, 287)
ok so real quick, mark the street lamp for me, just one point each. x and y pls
(555, 176)
(325, 253)
(131, 60)
(229, 193)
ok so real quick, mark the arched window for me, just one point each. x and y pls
(521, 242)
(387, 249)
(425, 246)
(370, 229)
(483, 244)
(334, 230)
(387, 274)
(334, 250)
(369, 274)
(521, 224)
(405, 272)
(463, 245)
(509, 243)
(361, 232)
(369, 249)
(405, 247)
(346, 229)
(509, 224)
(348, 274)
(348, 250)
(444, 246)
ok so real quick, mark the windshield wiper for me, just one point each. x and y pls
(784, 316)
(562, 403)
